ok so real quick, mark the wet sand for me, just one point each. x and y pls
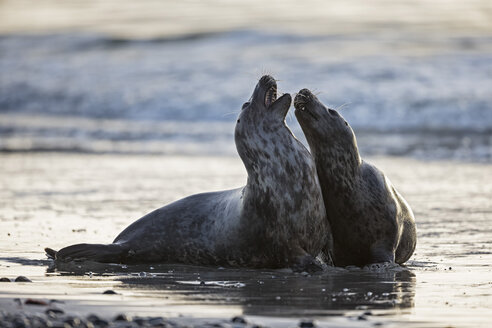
(55, 199)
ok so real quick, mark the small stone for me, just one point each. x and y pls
(361, 318)
(51, 315)
(5, 279)
(20, 322)
(31, 301)
(54, 311)
(238, 319)
(368, 313)
(139, 321)
(73, 321)
(306, 324)
(96, 321)
(202, 283)
(58, 324)
(22, 279)
(110, 292)
(157, 321)
(122, 317)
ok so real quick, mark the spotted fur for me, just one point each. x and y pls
(370, 220)
(277, 219)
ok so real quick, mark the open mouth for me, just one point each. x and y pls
(271, 95)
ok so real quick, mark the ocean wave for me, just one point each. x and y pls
(155, 84)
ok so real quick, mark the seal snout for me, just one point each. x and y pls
(303, 98)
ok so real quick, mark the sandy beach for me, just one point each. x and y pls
(111, 109)
(54, 199)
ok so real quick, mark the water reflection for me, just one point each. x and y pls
(262, 292)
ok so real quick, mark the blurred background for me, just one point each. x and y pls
(413, 78)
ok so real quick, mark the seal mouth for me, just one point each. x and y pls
(302, 102)
(271, 95)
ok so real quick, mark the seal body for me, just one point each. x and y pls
(276, 220)
(370, 220)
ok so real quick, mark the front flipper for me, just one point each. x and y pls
(310, 264)
(304, 262)
(381, 253)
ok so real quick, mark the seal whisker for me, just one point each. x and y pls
(342, 106)
(231, 113)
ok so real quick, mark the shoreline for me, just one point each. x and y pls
(54, 199)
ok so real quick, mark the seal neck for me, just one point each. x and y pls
(338, 168)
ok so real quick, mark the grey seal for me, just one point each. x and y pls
(370, 220)
(276, 220)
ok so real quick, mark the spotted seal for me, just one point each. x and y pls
(277, 220)
(370, 220)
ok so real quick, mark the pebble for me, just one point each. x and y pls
(122, 317)
(54, 311)
(110, 292)
(160, 322)
(5, 279)
(73, 321)
(22, 279)
(238, 320)
(31, 301)
(306, 324)
(96, 321)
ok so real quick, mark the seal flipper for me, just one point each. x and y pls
(51, 253)
(111, 253)
(380, 254)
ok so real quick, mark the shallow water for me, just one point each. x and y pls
(53, 199)
(169, 77)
